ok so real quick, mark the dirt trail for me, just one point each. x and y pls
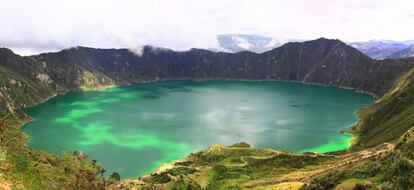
(343, 160)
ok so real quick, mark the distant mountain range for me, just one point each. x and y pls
(385, 49)
(407, 52)
(376, 49)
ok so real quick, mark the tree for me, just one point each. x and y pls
(115, 177)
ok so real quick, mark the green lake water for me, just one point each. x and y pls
(133, 129)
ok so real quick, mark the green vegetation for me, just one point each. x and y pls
(380, 167)
(25, 168)
(328, 181)
(390, 117)
(221, 167)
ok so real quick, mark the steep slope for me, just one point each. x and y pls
(390, 116)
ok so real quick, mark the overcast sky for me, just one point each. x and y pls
(33, 26)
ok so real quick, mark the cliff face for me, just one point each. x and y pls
(321, 61)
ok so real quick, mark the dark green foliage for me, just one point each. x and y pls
(160, 178)
(222, 172)
(365, 170)
(115, 176)
(240, 145)
(406, 144)
(207, 158)
(181, 171)
(359, 186)
(398, 171)
(185, 163)
(220, 169)
(185, 184)
(328, 181)
(40, 170)
(402, 173)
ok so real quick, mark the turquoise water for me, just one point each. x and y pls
(133, 129)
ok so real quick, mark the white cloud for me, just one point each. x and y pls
(47, 25)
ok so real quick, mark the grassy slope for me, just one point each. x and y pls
(25, 168)
(389, 117)
(221, 167)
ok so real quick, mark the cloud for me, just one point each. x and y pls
(50, 25)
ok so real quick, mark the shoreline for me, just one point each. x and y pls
(105, 87)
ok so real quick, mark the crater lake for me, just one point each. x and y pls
(133, 129)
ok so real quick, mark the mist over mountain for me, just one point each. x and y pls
(234, 43)
(246, 42)
(376, 49)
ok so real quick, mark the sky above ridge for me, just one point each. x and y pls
(29, 27)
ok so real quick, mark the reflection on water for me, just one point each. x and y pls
(135, 128)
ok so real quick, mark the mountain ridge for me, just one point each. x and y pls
(376, 49)
(407, 52)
